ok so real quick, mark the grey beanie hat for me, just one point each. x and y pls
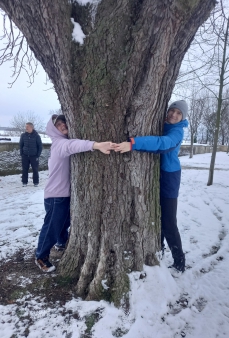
(182, 106)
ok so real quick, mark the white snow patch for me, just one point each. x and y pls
(194, 305)
(104, 284)
(84, 2)
(77, 34)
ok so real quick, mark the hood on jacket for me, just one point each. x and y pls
(53, 132)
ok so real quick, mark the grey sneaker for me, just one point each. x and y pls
(44, 264)
(36, 185)
(24, 184)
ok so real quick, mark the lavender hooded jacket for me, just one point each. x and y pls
(58, 184)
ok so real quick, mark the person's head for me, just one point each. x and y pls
(59, 122)
(177, 111)
(29, 127)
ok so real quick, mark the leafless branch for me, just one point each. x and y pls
(17, 51)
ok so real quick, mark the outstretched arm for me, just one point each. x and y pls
(155, 144)
(67, 147)
(104, 147)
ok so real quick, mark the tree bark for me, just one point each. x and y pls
(116, 85)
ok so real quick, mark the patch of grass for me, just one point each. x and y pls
(16, 294)
(119, 332)
(63, 281)
(20, 313)
(90, 321)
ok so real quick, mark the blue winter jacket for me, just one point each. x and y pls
(168, 146)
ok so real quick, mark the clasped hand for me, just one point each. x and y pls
(106, 147)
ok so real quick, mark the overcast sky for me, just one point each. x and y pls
(22, 98)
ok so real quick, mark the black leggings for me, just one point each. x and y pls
(169, 229)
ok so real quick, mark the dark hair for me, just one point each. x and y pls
(56, 118)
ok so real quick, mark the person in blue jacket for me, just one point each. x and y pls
(168, 146)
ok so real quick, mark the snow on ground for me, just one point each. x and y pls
(16, 139)
(5, 134)
(194, 304)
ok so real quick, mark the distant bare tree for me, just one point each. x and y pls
(224, 121)
(209, 124)
(222, 34)
(198, 106)
(207, 62)
(20, 119)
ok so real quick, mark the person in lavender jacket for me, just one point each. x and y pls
(57, 189)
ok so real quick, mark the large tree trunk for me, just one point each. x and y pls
(116, 85)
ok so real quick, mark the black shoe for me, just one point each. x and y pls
(178, 264)
(44, 264)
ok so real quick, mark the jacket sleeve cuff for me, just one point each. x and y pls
(132, 143)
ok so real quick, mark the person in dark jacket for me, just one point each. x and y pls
(30, 151)
(168, 146)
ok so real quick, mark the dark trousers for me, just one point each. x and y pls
(169, 229)
(56, 225)
(26, 161)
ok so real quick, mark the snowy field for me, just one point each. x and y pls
(194, 304)
(16, 139)
(5, 134)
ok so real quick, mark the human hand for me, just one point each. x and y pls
(122, 147)
(104, 147)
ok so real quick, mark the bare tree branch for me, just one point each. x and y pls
(16, 50)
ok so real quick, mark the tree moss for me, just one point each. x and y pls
(119, 291)
(116, 293)
(186, 5)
